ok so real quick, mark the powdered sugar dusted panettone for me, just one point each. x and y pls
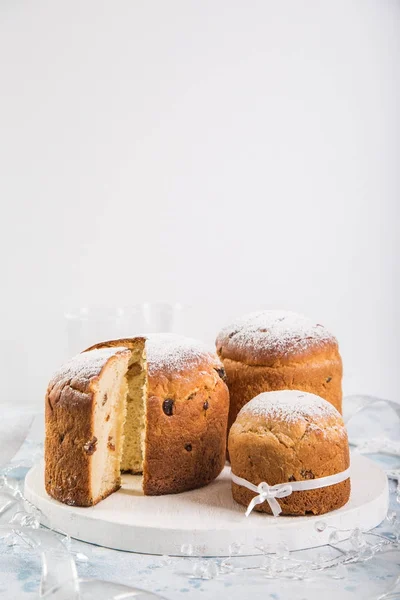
(287, 436)
(170, 353)
(271, 333)
(276, 350)
(291, 406)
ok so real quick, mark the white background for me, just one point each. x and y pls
(230, 155)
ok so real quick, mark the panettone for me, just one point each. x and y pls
(290, 436)
(155, 405)
(276, 350)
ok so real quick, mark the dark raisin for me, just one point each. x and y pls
(232, 334)
(105, 398)
(205, 405)
(328, 379)
(307, 474)
(90, 446)
(168, 407)
(107, 417)
(221, 372)
(188, 447)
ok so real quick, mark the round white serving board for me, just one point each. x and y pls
(207, 518)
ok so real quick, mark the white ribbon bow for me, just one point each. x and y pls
(270, 493)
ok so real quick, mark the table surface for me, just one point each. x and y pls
(20, 569)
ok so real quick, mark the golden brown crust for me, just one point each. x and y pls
(185, 449)
(70, 441)
(321, 376)
(67, 431)
(122, 342)
(274, 338)
(274, 449)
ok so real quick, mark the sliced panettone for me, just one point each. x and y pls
(85, 415)
(167, 419)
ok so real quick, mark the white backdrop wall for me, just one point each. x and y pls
(226, 154)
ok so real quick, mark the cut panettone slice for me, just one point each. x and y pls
(85, 416)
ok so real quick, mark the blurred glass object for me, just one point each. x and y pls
(159, 317)
(59, 579)
(91, 589)
(89, 325)
(14, 427)
(372, 424)
(356, 403)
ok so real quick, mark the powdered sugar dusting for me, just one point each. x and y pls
(279, 331)
(83, 367)
(168, 352)
(290, 406)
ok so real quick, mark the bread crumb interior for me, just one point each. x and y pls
(134, 428)
(109, 417)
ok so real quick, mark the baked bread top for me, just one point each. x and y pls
(80, 375)
(273, 337)
(290, 415)
(175, 362)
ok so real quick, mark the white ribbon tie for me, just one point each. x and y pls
(270, 493)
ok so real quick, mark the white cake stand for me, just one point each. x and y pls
(207, 518)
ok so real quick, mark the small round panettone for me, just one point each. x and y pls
(290, 436)
(273, 350)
